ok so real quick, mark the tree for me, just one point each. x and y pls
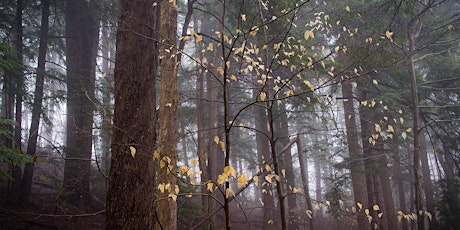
(166, 206)
(38, 102)
(82, 34)
(131, 192)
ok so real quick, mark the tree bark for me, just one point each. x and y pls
(131, 193)
(38, 102)
(356, 157)
(166, 206)
(82, 35)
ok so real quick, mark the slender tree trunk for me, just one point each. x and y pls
(427, 184)
(38, 102)
(398, 175)
(412, 34)
(82, 35)
(201, 118)
(166, 206)
(305, 182)
(131, 193)
(356, 161)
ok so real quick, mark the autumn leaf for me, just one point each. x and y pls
(389, 35)
(309, 213)
(132, 150)
(242, 180)
(376, 207)
(308, 34)
(347, 8)
(262, 96)
(309, 85)
(216, 139)
(210, 186)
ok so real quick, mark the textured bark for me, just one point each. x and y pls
(37, 106)
(166, 206)
(82, 35)
(130, 197)
(356, 157)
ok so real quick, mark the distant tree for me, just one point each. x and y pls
(82, 36)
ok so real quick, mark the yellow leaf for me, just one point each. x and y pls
(309, 85)
(317, 206)
(328, 203)
(347, 8)
(429, 215)
(262, 96)
(404, 135)
(268, 178)
(156, 155)
(267, 167)
(210, 47)
(375, 82)
(309, 213)
(376, 207)
(194, 162)
(173, 196)
(270, 222)
(242, 180)
(221, 179)
(366, 212)
(450, 27)
(229, 170)
(308, 34)
(380, 215)
(222, 145)
(133, 150)
(183, 169)
(256, 180)
(378, 128)
(390, 129)
(360, 206)
(389, 35)
(176, 189)
(283, 171)
(162, 163)
(220, 70)
(216, 139)
(210, 186)
(199, 38)
(161, 187)
(227, 192)
(243, 17)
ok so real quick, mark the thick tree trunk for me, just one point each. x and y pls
(38, 102)
(82, 34)
(166, 206)
(131, 193)
(356, 156)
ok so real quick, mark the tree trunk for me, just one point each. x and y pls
(398, 175)
(38, 102)
(166, 206)
(263, 150)
(412, 33)
(305, 182)
(18, 81)
(283, 138)
(131, 193)
(427, 184)
(82, 35)
(356, 161)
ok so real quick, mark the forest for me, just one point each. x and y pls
(230, 114)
